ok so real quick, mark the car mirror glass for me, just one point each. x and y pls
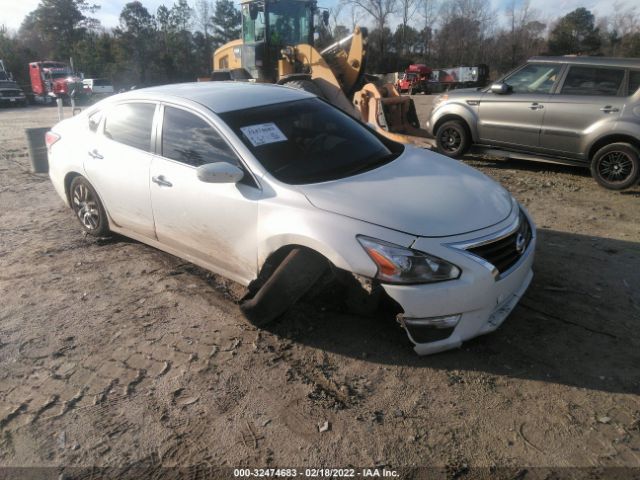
(500, 88)
(219, 172)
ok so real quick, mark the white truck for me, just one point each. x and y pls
(99, 86)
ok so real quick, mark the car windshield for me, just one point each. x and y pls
(309, 141)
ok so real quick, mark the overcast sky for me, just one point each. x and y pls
(12, 12)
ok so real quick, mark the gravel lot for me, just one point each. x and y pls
(114, 354)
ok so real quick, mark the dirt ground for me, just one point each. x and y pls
(115, 354)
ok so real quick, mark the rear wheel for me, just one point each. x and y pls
(88, 208)
(616, 166)
(307, 86)
(453, 139)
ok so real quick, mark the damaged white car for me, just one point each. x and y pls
(273, 188)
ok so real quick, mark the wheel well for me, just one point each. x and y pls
(448, 118)
(612, 139)
(67, 184)
(274, 260)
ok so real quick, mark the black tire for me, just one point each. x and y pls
(306, 85)
(453, 139)
(616, 166)
(297, 273)
(88, 208)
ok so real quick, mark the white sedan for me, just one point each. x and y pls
(274, 188)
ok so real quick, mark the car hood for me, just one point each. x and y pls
(420, 193)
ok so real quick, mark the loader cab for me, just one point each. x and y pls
(268, 26)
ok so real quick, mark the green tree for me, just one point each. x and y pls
(575, 33)
(54, 27)
(15, 56)
(226, 21)
(136, 46)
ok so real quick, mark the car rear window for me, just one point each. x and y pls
(130, 124)
(634, 81)
(593, 81)
(309, 141)
(101, 82)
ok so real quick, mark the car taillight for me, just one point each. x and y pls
(50, 138)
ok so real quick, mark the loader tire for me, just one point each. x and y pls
(306, 85)
(297, 273)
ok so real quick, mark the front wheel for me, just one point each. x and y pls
(452, 139)
(295, 275)
(616, 166)
(88, 208)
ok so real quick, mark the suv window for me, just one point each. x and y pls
(592, 81)
(634, 81)
(130, 124)
(534, 78)
(189, 139)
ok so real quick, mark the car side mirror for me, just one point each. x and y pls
(219, 172)
(500, 88)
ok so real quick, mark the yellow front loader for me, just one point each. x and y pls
(277, 47)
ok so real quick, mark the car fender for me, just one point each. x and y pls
(621, 131)
(450, 110)
(331, 235)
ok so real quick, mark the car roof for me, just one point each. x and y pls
(587, 60)
(220, 97)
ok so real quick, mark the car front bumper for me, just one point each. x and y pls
(13, 100)
(455, 311)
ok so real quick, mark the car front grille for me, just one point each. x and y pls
(505, 252)
(11, 93)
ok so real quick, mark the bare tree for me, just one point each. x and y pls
(408, 9)
(203, 13)
(428, 12)
(380, 11)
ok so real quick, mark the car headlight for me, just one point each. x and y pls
(398, 264)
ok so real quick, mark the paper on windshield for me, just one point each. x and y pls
(263, 134)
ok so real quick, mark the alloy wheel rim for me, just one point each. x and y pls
(450, 139)
(86, 207)
(615, 167)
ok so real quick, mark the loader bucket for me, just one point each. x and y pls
(391, 114)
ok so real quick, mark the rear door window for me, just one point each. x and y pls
(188, 139)
(593, 81)
(130, 124)
(634, 81)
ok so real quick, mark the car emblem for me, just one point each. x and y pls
(520, 243)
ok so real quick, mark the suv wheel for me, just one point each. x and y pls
(452, 139)
(616, 166)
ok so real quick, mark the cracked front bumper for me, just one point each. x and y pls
(440, 316)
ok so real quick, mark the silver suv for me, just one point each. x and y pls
(573, 110)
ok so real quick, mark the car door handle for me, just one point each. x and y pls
(160, 180)
(609, 109)
(95, 154)
(536, 106)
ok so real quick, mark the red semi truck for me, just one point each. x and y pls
(51, 80)
(414, 80)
